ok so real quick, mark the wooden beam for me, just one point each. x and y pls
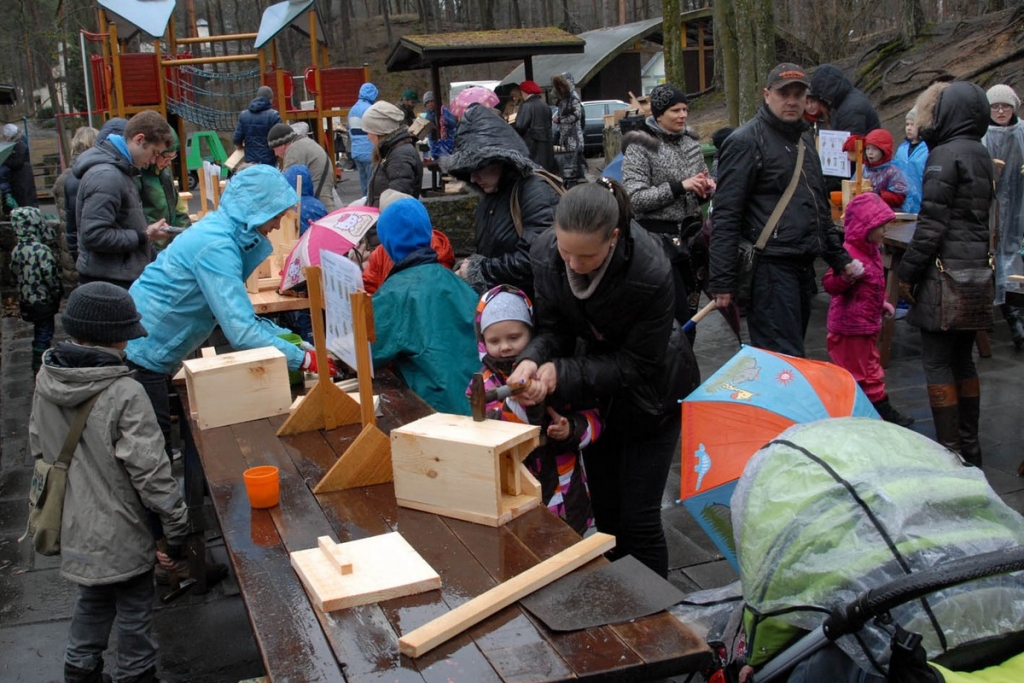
(433, 633)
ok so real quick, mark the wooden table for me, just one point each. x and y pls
(895, 240)
(269, 301)
(361, 644)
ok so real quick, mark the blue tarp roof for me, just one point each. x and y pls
(278, 17)
(151, 16)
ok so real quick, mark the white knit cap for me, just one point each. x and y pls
(912, 114)
(505, 306)
(383, 118)
(1003, 94)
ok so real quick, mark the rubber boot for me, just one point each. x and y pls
(890, 414)
(1015, 319)
(37, 360)
(969, 404)
(148, 677)
(945, 410)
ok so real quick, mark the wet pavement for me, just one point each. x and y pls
(207, 638)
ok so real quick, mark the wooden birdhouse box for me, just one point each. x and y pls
(238, 387)
(450, 465)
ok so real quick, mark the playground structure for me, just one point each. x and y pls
(182, 86)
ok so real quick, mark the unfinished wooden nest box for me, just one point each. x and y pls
(238, 387)
(450, 465)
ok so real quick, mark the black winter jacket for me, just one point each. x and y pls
(22, 177)
(254, 125)
(400, 168)
(849, 108)
(502, 255)
(533, 123)
(755, 166)
(112, 241)
(636, 360)
(953, 224)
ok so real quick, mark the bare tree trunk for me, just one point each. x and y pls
(487, 15)
(911, 20)
(386, 13)
(727, 57)
(672, 30)
(755, 32)
(517, 19)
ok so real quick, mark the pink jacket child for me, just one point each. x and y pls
(857, 306)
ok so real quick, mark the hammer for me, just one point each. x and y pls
(478, 398)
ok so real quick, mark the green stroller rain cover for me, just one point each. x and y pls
(832, 508)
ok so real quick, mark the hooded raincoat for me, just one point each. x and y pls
(849, 108)
(887, 180)
(1007, 143)
(34, 267)
(119, 470)
(199, 280)
(502, 252)
(362, 148)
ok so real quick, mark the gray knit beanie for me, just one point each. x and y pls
(265, 92)
(281, 134)
(505, 306)
(102, 313)
(383, 118)
(1003, 94)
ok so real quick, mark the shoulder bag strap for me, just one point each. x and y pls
(75, 433)
(328, 168)
(784, 201)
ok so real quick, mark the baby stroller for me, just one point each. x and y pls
(869, 553)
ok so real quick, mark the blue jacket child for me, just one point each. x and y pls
(37, 276)
(311, 208)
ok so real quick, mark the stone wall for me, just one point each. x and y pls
(454, 215)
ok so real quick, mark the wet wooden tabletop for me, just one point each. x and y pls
(300, 643)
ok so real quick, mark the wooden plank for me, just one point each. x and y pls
(430, 635)
(380, 568)
(272, 302)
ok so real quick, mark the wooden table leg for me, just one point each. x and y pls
(891, 260)
(195, 483)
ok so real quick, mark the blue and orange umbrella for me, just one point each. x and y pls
(753, 398)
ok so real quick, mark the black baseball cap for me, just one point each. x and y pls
(787, 73)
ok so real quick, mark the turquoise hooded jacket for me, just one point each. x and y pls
(198, 281)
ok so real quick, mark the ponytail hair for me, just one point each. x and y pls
(594, 207)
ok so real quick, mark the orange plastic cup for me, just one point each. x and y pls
(836, 198)
(263, 484)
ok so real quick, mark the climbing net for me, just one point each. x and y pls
(210, 99)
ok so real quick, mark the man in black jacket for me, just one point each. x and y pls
(494, 161)
(756, 164)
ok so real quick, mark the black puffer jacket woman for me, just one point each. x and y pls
(502, 250)
(605, 337)
(953, 227)
(399, 167)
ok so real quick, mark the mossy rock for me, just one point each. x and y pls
(455, 216)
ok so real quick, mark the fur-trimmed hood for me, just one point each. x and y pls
(950, 110)
(485, 138)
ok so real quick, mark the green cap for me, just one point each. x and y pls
(410, 95)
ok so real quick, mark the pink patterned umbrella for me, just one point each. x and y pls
(338, 232)
(473, 95)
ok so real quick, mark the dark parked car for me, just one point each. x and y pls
(593, 127)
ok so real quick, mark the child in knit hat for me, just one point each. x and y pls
(887, 180)
(37, 275)
(504, 326)
(117, 477)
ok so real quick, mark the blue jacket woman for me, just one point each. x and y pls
(198, 281)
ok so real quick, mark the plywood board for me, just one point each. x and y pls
(238, 386)
(383, 567)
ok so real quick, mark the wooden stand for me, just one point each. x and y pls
(341, 575)
(367, 461)
(451, 465)
(852, 188)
